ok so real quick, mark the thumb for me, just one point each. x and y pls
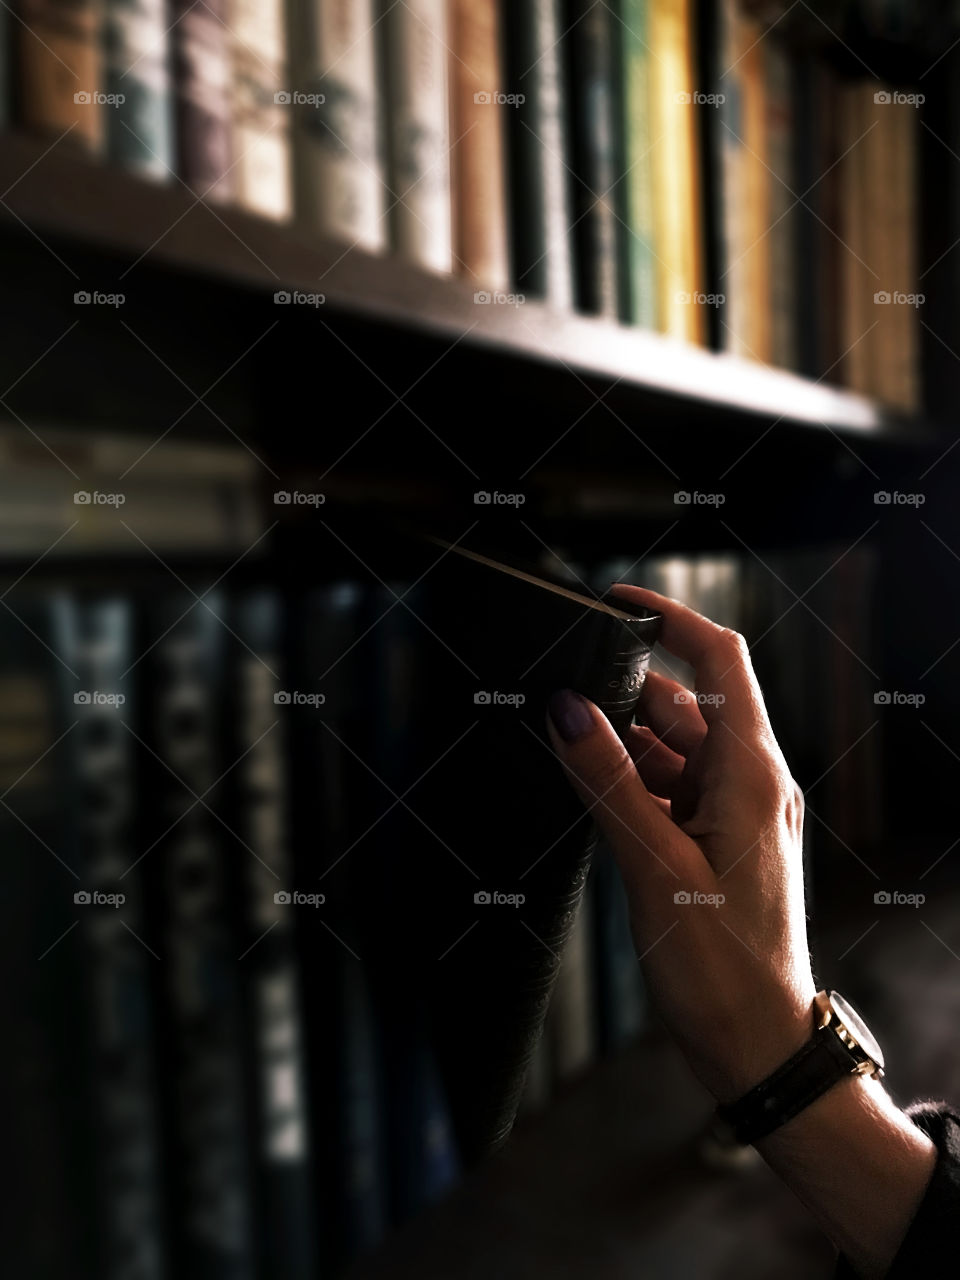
(647, 844)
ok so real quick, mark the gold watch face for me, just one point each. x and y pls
(849, 1020)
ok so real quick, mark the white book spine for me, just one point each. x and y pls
(337, 152)
(416, 51)
(262, 112)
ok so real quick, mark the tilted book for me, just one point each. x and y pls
(475, 902)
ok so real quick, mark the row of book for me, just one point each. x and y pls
(673, 166)
(218, 1063)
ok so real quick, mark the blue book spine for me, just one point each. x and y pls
(139, 114)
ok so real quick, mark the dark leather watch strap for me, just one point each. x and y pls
(812, 1070)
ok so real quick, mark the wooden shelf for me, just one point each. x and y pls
(70, 198)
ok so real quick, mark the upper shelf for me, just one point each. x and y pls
(59, 192)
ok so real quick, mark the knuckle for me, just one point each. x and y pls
(608, 774)
(736, 642)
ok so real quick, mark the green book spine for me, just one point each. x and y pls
(639, 303)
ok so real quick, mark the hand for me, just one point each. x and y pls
(705, 822)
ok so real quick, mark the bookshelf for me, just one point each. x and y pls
(90, 206)
(399, 398)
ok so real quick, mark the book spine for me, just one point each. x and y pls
(4, 67)
(675, 170)
(415, 50)
(260, 115)
(137, 74)
(273, 999)
(639, 252)
(207, 1101)
(570, 1019)
(591, 78)
(733, 281)
(201, 63)
(338, 156)
(478, 152)
(538, 137)
(94, 640)
(782, 220)
(854, 279)
(620, 992)
(60, 69)
(755, 175)
(47, 1136)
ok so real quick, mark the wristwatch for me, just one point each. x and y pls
(841, 1045)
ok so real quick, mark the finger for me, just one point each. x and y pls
(658, 766)
(728, 688)
(649, 848)
(672, 712)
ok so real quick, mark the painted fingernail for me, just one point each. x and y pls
(570, 714)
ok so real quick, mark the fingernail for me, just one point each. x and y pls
(570, 714)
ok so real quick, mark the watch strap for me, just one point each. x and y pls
(814, 1068)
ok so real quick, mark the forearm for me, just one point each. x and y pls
(861, 1167)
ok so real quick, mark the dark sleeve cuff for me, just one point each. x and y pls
(933, 1237)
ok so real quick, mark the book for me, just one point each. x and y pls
(781, 215)
(675, 166)
(116, 969)
(570, 1022)
(192, 889)
(60, 70)
(201, 76)
(620, 995)
(274, 1008)
(51, 1204)
(855, 275)
(478, 149)
(415, 52)
(746, 189)
(640, 297)
(509, 874)
(260, 116)
(4, 67)
(538, 150)
(591, 47)
(137, 71)
(337, 147)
